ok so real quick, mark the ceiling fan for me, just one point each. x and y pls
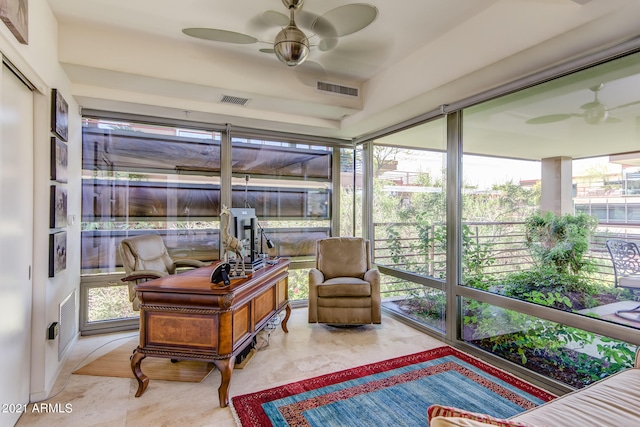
(291, 45)
(593, 113)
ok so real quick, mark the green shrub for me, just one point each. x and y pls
(561, 242)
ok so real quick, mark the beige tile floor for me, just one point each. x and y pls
(306, 351)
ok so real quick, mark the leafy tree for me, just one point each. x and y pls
(384, 156)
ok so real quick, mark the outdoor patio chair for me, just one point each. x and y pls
(625, 257)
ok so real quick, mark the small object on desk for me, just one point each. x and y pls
(221, 274)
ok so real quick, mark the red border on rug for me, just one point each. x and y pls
(248, 407)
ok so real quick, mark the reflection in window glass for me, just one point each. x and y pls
(140, 179)
(289, 186)
(550, 173)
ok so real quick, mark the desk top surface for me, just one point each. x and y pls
(198, 280)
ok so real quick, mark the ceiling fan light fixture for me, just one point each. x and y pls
(291, 46)
(596, 114)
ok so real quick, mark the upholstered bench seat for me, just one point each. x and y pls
(614, 401)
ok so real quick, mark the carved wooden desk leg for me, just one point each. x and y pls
(225, 366)
(143, 380)
(286, 318)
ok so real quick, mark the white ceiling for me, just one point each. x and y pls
(418, 54)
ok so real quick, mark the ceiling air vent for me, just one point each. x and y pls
(340, 90)
(226, 99)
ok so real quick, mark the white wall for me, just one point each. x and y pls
(38, 61)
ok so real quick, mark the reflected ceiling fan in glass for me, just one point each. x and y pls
(291, 45)
(594, 112)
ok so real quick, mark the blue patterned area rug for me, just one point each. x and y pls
(395, 392)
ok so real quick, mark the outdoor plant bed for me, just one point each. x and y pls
(420, 310)
(570, 367)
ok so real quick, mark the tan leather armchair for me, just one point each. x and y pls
(145, 257)
(343, 288)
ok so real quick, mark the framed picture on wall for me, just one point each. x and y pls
(57, 252)
(58, 160)
(59, 115)
(14, 13)
(58, 209)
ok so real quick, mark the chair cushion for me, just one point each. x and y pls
(344, 287)
(342, 256)
(347, 303)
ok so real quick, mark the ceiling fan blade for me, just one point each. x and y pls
(628, 104)
(273, 18)
(551, 118)
(326, 44)
(344, 20)
(306, 19)
(267, 20)
(216, 35)
(309, 72)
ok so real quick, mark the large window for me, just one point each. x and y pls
(409, 226)
(289, 184)
(548, 176)
(139, 179)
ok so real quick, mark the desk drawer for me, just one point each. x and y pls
(193, 331)
(264, 306)
(242, 325)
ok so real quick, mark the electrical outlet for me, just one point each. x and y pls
(53, 330)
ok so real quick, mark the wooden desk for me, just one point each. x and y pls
(184, 316)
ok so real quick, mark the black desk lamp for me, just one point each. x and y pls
(263, 238)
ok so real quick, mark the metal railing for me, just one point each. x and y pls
(492, 249)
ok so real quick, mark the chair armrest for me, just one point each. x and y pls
(315, 277)
(185, 262)
(144, 275)
(373, 276)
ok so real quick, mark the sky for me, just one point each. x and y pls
(484, 172)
